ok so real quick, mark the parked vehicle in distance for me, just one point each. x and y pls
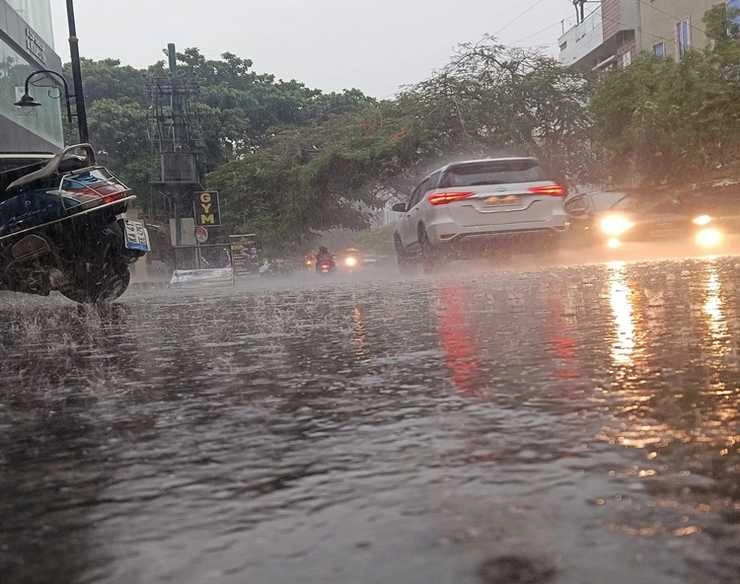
(612, 218)
(478, 205)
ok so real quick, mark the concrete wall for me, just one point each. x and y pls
(659, 18)
(15, 138)
(582, 39)
(37, 13)
(619, 15)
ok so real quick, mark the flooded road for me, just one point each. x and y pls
(573, 425)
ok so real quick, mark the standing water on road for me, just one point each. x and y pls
(571, 425)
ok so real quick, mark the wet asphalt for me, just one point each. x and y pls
(566, 424)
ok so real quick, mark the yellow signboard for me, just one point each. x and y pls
(207, 210)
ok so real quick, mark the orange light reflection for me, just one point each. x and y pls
(620, 299)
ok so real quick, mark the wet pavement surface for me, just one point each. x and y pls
(570, 425)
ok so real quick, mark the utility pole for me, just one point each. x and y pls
(638, 34)
(74, 54)
(176, 138)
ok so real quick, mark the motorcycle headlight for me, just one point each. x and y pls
(350, 261)
(701, 220)
(616, 225)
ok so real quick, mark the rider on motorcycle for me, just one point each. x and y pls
(323, 255)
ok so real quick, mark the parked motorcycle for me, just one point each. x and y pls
(63, 227)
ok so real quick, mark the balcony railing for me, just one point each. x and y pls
(582, 39)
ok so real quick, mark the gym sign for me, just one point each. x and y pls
(207, 210)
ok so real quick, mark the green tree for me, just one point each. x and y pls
(722, 24)
(662, 120)
(238, 110)
(119, 127)
(491, 99)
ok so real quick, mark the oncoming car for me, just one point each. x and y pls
(350, 259)
(613, 218)
(480, 204)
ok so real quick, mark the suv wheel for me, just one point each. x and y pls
(430, 257)
(406, 264)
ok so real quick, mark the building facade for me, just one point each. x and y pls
(27, 45)
(618, 30)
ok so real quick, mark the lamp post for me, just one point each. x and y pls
(79, 96)
(27, 99)
(74, 55)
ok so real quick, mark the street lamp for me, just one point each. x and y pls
(79, 96)
(74, 57)
(27, 99)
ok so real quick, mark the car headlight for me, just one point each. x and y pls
(616, 225)
(350, 261)
(709, 237)
(701, 220)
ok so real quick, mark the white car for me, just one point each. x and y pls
(494, 202)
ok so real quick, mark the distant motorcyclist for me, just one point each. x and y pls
(323, 256)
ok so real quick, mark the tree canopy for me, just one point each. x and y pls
(238, 109)
(660, 119)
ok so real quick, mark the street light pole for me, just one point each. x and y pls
(74, 53)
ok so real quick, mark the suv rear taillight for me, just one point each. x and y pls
(549, 190)
(449, 197)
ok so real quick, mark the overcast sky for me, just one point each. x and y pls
(376, 45)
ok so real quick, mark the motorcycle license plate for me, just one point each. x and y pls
(136, 235)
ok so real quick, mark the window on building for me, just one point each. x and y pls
(683, 37)
(659, 49)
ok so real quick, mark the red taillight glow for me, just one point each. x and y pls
(113, 197)
(449, 197)
(549, 190)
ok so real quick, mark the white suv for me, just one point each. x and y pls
(494, 202)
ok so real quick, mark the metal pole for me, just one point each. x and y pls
(638, 33)
(172, 58)
(178, 229)
(74, 54)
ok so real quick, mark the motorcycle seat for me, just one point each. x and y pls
(64, 161)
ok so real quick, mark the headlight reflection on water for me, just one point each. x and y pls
(713, 309)
(620, 299)
(655, 394)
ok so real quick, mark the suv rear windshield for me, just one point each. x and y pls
(492, 172)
